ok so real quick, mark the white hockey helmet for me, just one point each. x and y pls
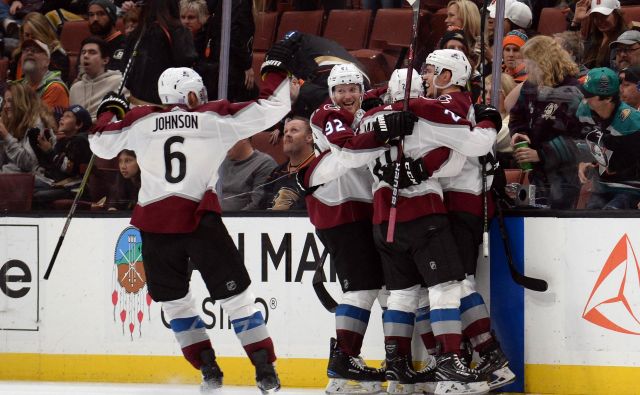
(453, 60)
(175, 83)
(398, 83)
(346, 73)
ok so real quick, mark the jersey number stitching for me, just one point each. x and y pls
(170, 156)
(329, 128)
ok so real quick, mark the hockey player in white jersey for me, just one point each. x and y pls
(179, 147)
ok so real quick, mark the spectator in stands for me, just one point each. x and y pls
(124, 194)
(282, 191)
(571, 41)
(512, 59)
(18, 9)
(46, 83)
(545, 116)
(9, 25)
(242, 175)
(517, 16)
(35, 26)
(166, 43)
(194, 15)
(630, 86)
(507, 84)
(130, 20)
(96, 81)
(626, 49)
(464, 15)
(102, 23)
(60, 11)
(63, 162)
(613, 140)
(22, 112)
(606, 25)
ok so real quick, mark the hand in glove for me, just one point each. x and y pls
(372, 102)
(280, 56)
(115, 104)
(488, 113)
(412, 172)
(393, 125)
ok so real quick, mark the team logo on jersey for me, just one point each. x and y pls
(118, 54)
(231, 285)
(130, 294)
(433, 265)
(331, 107)
(549, 111)
(613, 301)
(624, 114)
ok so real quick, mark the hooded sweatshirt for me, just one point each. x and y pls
(89, 92)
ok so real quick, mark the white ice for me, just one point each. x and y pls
(57, 388)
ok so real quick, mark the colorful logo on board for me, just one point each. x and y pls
(614, 302)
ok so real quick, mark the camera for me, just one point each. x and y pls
(526, 196)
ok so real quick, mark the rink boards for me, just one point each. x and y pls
(93, 320)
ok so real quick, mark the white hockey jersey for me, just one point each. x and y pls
(179, 151)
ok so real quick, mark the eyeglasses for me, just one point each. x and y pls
(626, 50)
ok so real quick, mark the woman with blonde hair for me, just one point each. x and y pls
(465, 15)
(23, 111)
(545, 116)
(36, 26)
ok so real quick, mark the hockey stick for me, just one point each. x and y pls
(534, 284)
(318, 285)
(87, 172)
(391, 229)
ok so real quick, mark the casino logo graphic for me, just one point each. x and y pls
(614, 302)
(130, 297)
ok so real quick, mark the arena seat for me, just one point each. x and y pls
(438, 27)
(4, 68)
(260, 141)
(266, 24)
(631, 13)
(16, 191)
(302, 21)
(73, 32)
(348, 28)
(552, 20)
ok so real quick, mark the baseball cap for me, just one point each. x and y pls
(604, 7)
(82, 116)
(36, 43)
(456, 34)
(519, 14)
(515, 37)
(629, 37)
(601, 81)
(631, 74)
(492, 7)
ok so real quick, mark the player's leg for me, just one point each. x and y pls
(216, 257)
(167, 273)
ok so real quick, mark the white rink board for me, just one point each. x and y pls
(570, 253)
(76, 314)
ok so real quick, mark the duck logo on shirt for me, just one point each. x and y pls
(624, 114)
(549, 111)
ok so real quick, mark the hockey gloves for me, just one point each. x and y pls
(412, 172)
(114, 103)
(372, 102)
(488, 113)
(393, 125)
(280, 57)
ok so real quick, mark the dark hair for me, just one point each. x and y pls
(102, 45)
(128, 152)
(164, 12)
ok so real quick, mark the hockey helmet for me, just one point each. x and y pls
(398, 83)
(453, 60)
(175, 83)
(346, 73)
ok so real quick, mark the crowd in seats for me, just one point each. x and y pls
(377, 37)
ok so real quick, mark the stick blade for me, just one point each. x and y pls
(533, 284)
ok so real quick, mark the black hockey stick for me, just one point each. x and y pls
(415, 5)
(318, 285)
(534, 284)
(87, 172)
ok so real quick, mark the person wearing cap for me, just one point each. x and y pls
(517, 16)
(96, 81)
(630, 86)
(102, 23)
(626, 49)
(606, 25)
(512, 59)
(46, 83)
(611, 129)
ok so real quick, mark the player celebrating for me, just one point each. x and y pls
(179, 149)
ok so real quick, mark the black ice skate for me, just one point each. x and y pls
(454, 377)
(350, 375)
(266, 377)
(495, 366)
(399, 370)
(426, 378)
(211, 373)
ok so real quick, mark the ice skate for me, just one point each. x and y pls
(350, 375)
(426, 378)
(456, 378)
(211, 373)
(399, 371)
(266, 377)
(495, 366)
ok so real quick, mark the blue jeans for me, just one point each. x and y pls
(612, 201)
(4, 11)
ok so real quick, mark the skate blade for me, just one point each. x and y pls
(398, 388)
(501, 377)
(345, 386)
(458, 388)
(428, 388)
(270, 390)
